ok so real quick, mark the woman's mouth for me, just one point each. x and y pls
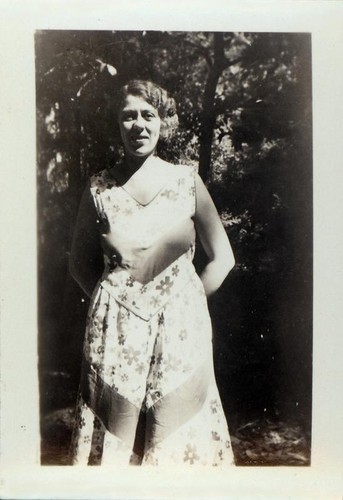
(139, 139)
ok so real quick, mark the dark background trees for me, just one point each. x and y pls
(244, 102)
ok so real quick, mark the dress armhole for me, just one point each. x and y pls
(86, 261)
(188, 176)
(95, 194)
(194, 176)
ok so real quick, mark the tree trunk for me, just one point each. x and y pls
(208, 117)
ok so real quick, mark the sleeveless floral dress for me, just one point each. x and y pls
(148, 395)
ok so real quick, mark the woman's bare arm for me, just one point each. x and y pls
(213, 239)
(86, 261)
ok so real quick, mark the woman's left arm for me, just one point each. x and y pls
(213, 239)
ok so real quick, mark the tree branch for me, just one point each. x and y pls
(200, 49)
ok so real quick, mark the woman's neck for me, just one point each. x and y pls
(132, 164)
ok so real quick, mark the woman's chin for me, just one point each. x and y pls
(140, 152)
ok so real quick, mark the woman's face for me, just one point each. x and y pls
(140, 125)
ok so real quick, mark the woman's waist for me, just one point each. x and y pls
(146, 257)
(146, 298)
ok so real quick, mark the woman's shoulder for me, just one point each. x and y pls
(186, 173)
(186, 169)
(101, 180)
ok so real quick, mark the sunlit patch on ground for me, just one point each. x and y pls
(270, 443)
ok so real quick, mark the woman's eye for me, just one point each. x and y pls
(127, 117)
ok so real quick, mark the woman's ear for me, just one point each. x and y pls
(164, 134)
(169, 125)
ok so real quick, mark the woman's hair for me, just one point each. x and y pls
(157, 97)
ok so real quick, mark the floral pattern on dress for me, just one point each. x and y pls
(144, 341)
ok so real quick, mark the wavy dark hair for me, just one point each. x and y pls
(157, 97)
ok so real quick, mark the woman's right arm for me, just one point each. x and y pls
(86, 258)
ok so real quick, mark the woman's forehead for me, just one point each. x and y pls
(136, 102)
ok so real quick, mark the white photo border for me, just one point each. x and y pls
(21, 475)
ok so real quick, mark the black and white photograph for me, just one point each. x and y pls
(181, 146)
(170, 251)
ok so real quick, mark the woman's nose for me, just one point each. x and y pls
(139, 122)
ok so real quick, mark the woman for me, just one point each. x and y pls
(148, 393)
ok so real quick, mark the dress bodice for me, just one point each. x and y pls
(153, 244)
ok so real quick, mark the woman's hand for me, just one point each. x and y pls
(106, 244)
(108, 247)
(213, 239)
